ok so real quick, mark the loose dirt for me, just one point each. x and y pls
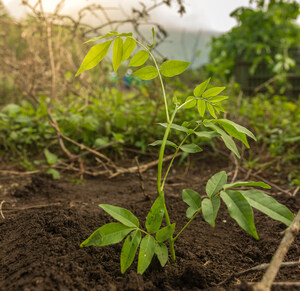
(46, 220)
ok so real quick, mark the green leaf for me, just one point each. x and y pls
(212, 92)
(191, 102)
(165, 233)
(216, 183)
(210, 208)
(128, 48)
(155, 216)
(191, 148)
(129, 249)
(172, 68)
(95, 55)
(269, 206)
(55, 174)
(201, 107)
(109, 34)
(50, 157)
(229, 143)
(117, 53)
(236, 130)
(159, 142)
(154, 40)
(161, 251)
(219, 108)
(139, 59)
(211, 110)
(207, 134)
(192, 199)
(146, 253)
(240, 210)
(216, 99)
(242, 183)
(176, 127)
(146, 73)
(198, 91)
(121, 214)
(107, 234)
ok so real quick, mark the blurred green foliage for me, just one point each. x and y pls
(262, 35)
(276, 121)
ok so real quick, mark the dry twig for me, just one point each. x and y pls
(279, 255)
(2, 215)
(141, 179)
(258, 268)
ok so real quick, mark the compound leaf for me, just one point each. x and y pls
(121, 214)
(139, 59)
(172, 68)
(117, 53)
(155, 216)
(107, 234)
(128, 48)
(161, 251)
(146, 73)
(129, 249)
(95, 55)
(146, 253)
(198, 91)
(165, 233)
(216, 183)
(240, 210)
(269, 206)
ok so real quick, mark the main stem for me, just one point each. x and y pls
(160, 188)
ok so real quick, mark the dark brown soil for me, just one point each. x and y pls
(46, 220)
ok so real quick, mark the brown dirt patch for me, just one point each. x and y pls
(46, 220)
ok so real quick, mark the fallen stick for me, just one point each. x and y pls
(6, 172)
(289, 236)
(143, 167)
(258, 268)
(2, 202)
(33, 207)
(266, 181)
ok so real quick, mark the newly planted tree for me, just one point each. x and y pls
(151, 239)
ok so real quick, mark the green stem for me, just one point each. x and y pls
(160, 79)
(161, 154)
(187, 224)
(173, 158)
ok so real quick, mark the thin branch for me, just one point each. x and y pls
(2, 215)
(279, 255)
(258, 268)
(143, 167)
(141, 179)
